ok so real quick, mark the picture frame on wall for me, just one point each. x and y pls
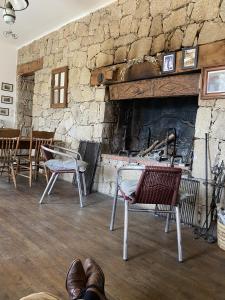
(6, 99)
(4, 111)
(213, 82)
(169, 62)
(189, 58)
(8, 87)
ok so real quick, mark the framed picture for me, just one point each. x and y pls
(6, 99)
(169, 62)
(213, 82)
(7, 87)
(4, 111)
(189, 58)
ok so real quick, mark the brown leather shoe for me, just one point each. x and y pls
(76, 280)
(95, 278)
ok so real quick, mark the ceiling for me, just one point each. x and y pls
(44, 16)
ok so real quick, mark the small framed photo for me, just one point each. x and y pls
(169, 62)
(6, 99)
(213, 82)
(7, 87)
(189, 58)
(4, 111)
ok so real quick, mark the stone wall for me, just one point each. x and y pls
(124, 30)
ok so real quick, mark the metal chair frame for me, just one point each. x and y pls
(63, 153)
(128, 204)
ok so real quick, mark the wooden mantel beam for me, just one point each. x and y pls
(209, 55)
(30, 67)
(176, 85)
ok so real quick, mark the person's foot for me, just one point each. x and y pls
(95, 278)
(76, 280)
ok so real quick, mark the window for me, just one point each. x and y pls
(59, 86)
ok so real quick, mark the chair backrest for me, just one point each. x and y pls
(39, 138)
(9, 142)
(158, 185)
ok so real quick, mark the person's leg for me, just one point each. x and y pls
(76, 280)
(91, 295)
(95, 285)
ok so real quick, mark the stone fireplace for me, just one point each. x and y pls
(140, 123)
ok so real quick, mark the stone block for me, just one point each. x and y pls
(85, 76)
(97, 131)
(203, 121)
(100, 93)
(222, 11)
(103, 59)
(125, 25)
(175, 19)
(115, 28)
(93, 50)
(218, 124)
(140, 48)
(87, 93)
(107, 45)
(129, 7)
(84, 133)
(79, 59)
(73, 45)
(74, 76)
(120, 55)
(190, 35)
(158, 44)
(175, 4)
(205, 10)
(176, 40)
(159, 7)
(143, 9)
(125, 40)
(144, 27)
(156, 27)
(211, 32)
(82, 29)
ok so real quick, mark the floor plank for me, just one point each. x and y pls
(38, 242)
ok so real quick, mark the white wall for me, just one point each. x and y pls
(8, 59)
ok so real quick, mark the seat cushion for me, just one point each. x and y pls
(40, 296)
(64, 165)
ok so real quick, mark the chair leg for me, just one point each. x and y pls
(114, 207)
(47, 187)
(30, 174)
(13, 175)
(179, 240)
(167, 223)
(79, 188)
(51, 187)
(84, 184)
(125, 235)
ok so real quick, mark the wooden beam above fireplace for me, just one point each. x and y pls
(169, 86)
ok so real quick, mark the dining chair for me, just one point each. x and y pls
(9, 142)
(60, 160)
(156, 185)
(29, 165)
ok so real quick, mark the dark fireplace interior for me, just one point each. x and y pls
(140, 123)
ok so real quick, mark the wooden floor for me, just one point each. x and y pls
(38, 242)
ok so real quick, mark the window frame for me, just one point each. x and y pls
(59, 87)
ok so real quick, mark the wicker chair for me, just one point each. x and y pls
(157, 185)
(67, 161)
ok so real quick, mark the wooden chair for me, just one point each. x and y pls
(67, 161)
(157, 185)
(9, 142)
(29, 165)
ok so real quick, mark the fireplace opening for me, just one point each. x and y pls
(165, 126)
